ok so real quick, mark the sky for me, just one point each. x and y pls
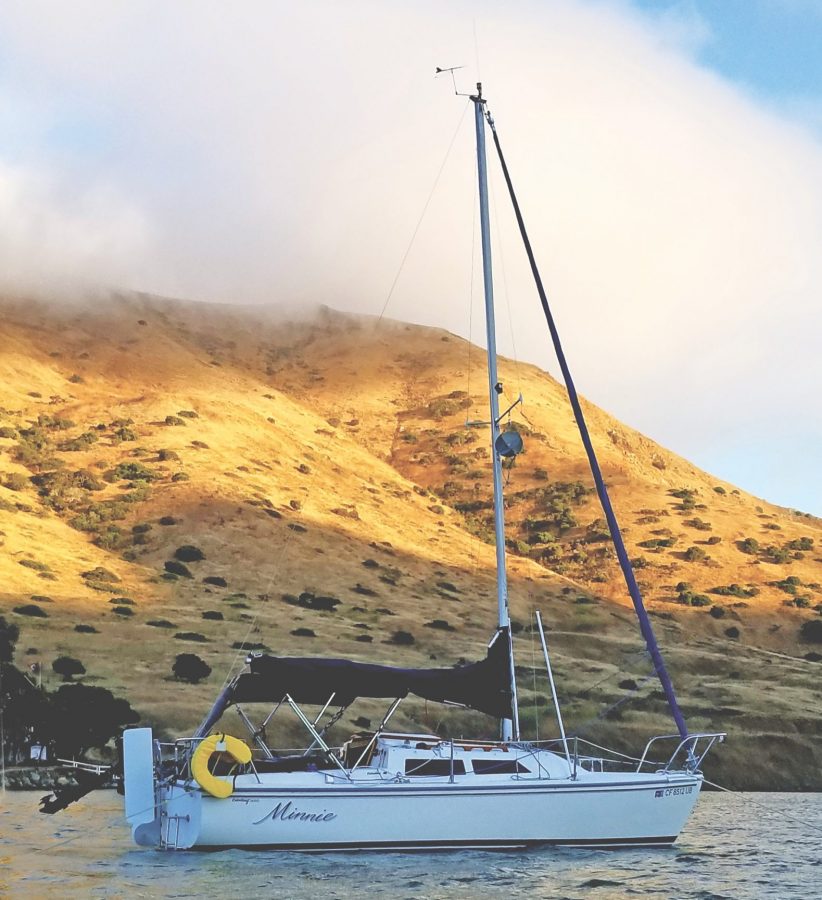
(667, 154)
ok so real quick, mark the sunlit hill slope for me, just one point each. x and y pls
(180, 477)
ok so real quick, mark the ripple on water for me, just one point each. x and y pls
(730, 849)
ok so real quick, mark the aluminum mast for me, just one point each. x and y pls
(509, 728)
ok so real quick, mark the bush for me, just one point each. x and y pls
(9, 635)
(189, 553)
(402, 638)
(658, 543)
(811, 632)
(99, 574)
(216, 580)
(749, 546)
(688, 598)
(188, 414)
(14, 481)
(803, 543)
(67, 667)
(121, 435)
(732, 632)
(168, 456)
(81, 442)
(695, 554)
(86, 629)
(124, 611)
(776, 555)
(130, 471)
(440, 625)
(174, 420)
(34, 564)
(31, 609)
(213, 614)
(161, 623)
(713, 540)
(308, 600)
(735, 590)
(717, 612)
(177, 568)
(303, 632)
(190, 668)
(699, 524)
(191, 636)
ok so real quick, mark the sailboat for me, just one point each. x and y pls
(389, 790)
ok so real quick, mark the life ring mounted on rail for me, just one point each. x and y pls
(238, 750)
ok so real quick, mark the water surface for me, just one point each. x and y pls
(735, 846)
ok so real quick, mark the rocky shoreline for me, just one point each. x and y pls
(39, 778)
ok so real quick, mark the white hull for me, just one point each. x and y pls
(604, 810)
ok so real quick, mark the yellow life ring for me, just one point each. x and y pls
(224, 743)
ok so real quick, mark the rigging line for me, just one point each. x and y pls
(422, 214)
(534, 669)
(745, 795)
(583, 726)
(610, 675)
(613, 525)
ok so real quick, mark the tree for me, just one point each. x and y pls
(68, 667)
(189, 553)
(83, 717)
(9, 634)
(811, 632)
(25, 713)
(189, 667)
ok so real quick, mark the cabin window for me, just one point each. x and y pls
(433, 767)
(498, 767)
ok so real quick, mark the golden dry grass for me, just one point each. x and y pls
(320, 460)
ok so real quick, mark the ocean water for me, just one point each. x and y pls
(741, 846)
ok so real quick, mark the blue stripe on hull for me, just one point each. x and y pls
(598, 843)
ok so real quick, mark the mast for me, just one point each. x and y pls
(509, 728)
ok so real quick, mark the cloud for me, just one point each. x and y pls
(277, 152)
(57, 242)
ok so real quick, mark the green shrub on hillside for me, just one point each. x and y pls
(190, 668)
(695, 554)
(14, 481)
(749, 545)
(67, 667)
(189, 553)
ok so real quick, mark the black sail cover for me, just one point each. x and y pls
(484, 686)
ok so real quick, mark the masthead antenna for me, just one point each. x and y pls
(450, 70)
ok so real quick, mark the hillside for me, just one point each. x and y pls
(323, 473)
